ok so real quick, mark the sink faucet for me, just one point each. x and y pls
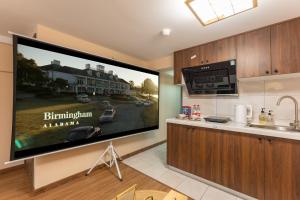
(296, 121)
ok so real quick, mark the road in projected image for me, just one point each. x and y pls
(109, 114)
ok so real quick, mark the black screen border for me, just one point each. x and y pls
(29, 153)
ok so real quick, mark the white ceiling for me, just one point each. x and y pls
(133, 26)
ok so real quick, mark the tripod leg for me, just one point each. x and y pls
(117, 166)
(118, 156)
(97, 162)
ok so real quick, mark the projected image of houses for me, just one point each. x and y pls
(61, 98)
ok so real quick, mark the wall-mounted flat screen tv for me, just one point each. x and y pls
(65, 98)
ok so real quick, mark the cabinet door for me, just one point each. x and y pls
(225, 49)
(285, 47)
(254, 53)
(243, 164)
(218, 51)
(179, 146)
(208, 154)
(208, 53)
(282, 170)
(178, 64)
(192, 57)
(195, 150)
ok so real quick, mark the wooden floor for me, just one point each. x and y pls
(100, 185)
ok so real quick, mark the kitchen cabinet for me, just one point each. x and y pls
(254, 53)
(185, 58)
(270, 50)
(192, 57)
(243, 163)
(225, 49)
(179, 154)
(212, 52)
(178, 64)
(218, 51)
(259, 166)
(285, 47)
(207, 154)
(282, 169)
(194, 150)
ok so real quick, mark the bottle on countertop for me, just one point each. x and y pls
(270, 118)
(198, 110)
(195, 112)
(262, 117)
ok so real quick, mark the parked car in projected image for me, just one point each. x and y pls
(106, 104)
(147, 103)
(139, 103)
(83, 132)
(108, 115)
(83, 98)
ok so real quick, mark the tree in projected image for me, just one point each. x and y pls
(28, 72)
(148, 87)
(131, 84)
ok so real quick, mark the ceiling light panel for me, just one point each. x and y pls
(210, 11)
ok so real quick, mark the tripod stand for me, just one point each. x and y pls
(113, 160)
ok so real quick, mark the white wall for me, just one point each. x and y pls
(262, 93)
(6, 101)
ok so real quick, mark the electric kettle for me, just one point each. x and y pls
(243, 113)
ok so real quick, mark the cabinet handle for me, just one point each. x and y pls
(202, 62)
(193, 57)
(206, 61)
(270, 141)
(276, 71)
(267, 72)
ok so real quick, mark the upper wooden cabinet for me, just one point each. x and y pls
(218, 51)
(212, 52)
(192, 57)
(267, 51)
(178, 64)
(254, 53)
(285, 47)
(225, 49)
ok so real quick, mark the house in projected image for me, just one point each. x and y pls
(88, 80)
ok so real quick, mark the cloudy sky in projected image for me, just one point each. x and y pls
(44, 57)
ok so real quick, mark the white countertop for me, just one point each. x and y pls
(236, 127)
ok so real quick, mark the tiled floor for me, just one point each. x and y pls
(153, 163)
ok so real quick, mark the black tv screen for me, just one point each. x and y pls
(65, 98)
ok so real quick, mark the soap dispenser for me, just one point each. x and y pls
(262, 117)
(270, 118)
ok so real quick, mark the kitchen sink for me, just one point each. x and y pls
(274, 127)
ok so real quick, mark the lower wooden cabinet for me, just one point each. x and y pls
(194, 150)
(179, 154)
(282, 169)
(207, 157)
(243, 163)
(261, 167)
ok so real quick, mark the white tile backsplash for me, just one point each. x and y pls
(207, 104)
(258, 94)
(226, 105)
